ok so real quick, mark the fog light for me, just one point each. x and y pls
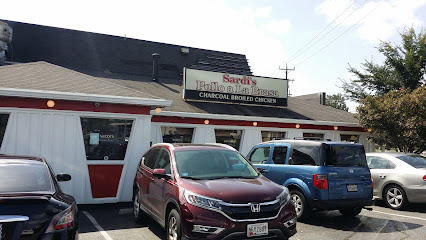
(290, 223)
(207, 229)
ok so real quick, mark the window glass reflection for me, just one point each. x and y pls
(230, 137)
(177, 135)
(313, 136)
(106, 139)
(3, 123)
(269, 135)
(349, 138)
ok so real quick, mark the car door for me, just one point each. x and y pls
(259, 156)
(144, 176)
(381, 171)
(158, 186)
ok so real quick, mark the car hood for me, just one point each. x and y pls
(259, 189)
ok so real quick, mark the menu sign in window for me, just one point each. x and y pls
(210, 86)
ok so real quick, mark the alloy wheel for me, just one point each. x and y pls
(298, 204)
(394, 197)
(172, 229)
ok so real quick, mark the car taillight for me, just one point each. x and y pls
(372, 183)
(62, 220)
(320, 181)
(424, 178)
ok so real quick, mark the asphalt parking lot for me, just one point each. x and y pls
(114, 222)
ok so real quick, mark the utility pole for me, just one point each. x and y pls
(286, 69)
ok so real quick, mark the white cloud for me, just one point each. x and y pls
(376, 20)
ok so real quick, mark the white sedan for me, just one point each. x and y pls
(398, 178)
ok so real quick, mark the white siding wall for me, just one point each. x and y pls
(57, 137)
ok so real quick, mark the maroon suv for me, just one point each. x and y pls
(210, 192)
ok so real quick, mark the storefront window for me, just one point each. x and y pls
(106, 139)
(230, 137)
(268, 135)
(177, 135)
(3, 123)
(313, 136)
(349, 138)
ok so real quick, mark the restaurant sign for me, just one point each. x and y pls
(200, 85)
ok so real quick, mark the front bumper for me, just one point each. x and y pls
(277, 229)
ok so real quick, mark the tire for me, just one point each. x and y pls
(174, 230)
(350, 212)
(394, 197)
(137, 213)
(302, 209)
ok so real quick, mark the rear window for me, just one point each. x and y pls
(416, 161)
(345, 156)
(19, 177)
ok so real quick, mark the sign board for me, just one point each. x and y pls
(210, 86)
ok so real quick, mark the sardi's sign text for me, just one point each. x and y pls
(209, 86)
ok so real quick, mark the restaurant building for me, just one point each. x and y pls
(92, 104)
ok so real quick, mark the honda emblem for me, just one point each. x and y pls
(255, 207)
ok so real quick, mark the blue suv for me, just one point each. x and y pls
(320, 175)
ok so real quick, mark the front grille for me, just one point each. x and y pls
(239, 212)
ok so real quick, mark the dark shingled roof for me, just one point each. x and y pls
(128, 63)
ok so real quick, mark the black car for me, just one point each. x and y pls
(32, 205)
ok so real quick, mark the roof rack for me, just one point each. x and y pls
(312, 138)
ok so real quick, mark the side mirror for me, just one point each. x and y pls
(159, 172)
(62, 177)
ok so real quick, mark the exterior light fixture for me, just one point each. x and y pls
(369, 130)
(157, 110)
(50, 103)
(297, 125)
(206, 121)
(336, 127)
(255, 124)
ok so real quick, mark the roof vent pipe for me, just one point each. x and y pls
(5, 40)
(155, 57)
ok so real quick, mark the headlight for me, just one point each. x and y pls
(284, 196)
(202, 201)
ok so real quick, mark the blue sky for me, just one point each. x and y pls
(269, 33)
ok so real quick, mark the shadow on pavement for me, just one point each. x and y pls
(334, 220)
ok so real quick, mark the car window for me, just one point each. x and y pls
(163, 161)
(375, 162)
(260, 155)
(345, 155)
(416, 161)
(150, 157)
(279, 155)
(305, 155)
(19, 177)
(212, 164)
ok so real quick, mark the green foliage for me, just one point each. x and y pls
(403, 68)
(398, 119)
(337, 101)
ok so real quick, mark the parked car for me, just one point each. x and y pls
(320, 175)
(210, 192)
(32, 205)
(399, 178)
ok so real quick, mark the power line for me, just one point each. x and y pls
(295, 55)
(339, 35)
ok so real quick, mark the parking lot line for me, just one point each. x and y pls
(96, 224)
(397, 215)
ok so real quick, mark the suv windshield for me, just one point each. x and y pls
(213, 164)
(19, 177)
(345, 156)
(416, 161)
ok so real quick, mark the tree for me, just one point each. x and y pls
(337, 101)
(404, 67)
(397, 120)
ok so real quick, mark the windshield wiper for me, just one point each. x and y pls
(233, 177)
(192, 178)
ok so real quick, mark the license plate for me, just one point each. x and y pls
(257, 229)
(352, 187)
